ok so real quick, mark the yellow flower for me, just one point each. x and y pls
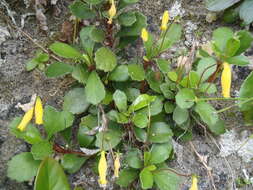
(144, 34)
(26, 119)
(117, 165)
(194, 183)
(38, 111)
(112, 12)
(165, 20)
(102, 169)
(226, 78)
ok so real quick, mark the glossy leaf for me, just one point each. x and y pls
(185, 98)
(41, 150)
(146, 179)
(160, 132)
(160, 152)
(239, 60)
(105, 59)
(120, 100)
(140, 120)
(72, 163)
(58, 69)
(136, 72)
(65, 50)
(141, 101)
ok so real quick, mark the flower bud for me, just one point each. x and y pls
(144, 35)
(165, 20)
(112, 12)
(38, 111)
(26, 119)
(102, 169)
(117, 165)
(194, 185)
(226, 78)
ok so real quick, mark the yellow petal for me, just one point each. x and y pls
(194, 183)
(117, 165)
(226, 78)
(112, 12)
(26, 119)
(38, 111)
(165, 20)
(102, 169)
(144, 34)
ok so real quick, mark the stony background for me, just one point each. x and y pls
(17, 85)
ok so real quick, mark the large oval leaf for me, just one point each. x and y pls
(218, 5)
(246, 11)
(65, 50)
(51, 176)
(105, 59)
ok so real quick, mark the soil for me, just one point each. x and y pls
(18, 85)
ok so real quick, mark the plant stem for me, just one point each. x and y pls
(219, 99)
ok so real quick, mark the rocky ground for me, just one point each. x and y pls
(17, 85)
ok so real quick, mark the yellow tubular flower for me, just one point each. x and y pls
(117, 165)
(26, 119)
(112, 12)
(38, 111)
(194, 183)
(226, 78)
(102, 169)
(165, 20)
(144, 35)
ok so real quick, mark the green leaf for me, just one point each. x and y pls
(58, 69)
(31, 134)
(146, 178)
(221, 37)
(194, 79)
(31, 64)
(160, 132)
(133, 158)
(120, 100)
(163, 64)
(119, 74)
(75, 101)
(160, 152)
(165, 88)
(156, 106)
(94, 90)
(246, 11)
(154, 80)
(231, 15)
(232, 47)
(65, 50)
(141, 101)
(94, 2)
(109, 139)
(219, 5)
(81, 10)
(55, 121)
(51, 176)
(206, 67)
(132, 94)
(127, 18)
(105, 59)
(172, 76)
(140, 134)
(246, 91)
(126, 177)
(80, 73)
(239, 60)
(184, 98)
(180, 115)
(42, 150)
(171, 36)
(86, 41)
(140, 120)
(136, 72)
(218, 128)
(135, 28)
(169, 107)
(209, 88)
(22, 167)
(97, 35)
(246, 39)
(166, 180)
(206, 113)
(72, 163)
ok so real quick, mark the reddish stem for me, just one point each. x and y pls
(57, 148)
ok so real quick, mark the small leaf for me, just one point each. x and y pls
(141, 101)
(180, 115)
(75, 101)
(41, 150)
(165, 88)
(86, 41)
(58, 69)
(97, 35)
(51, 176)
(169, 107)
(146, 178)
(120, 100)
(80, 73)
(72, 163)
(239, 60)
(127, 176)
(154, 80)
(160, 152)
(141, 134)
(164, 65)
(160, 132)
(246, 91)
(119, 74)
(132, 94)
(94, 90)
(22, 167)
(232, 47)
(136, 72)
(65, 50)
(140, 120)
(172, 76)
(219, 5)
(81, 10)
(133, 158)
(246, 39)
(32, 64)
(105, 59)
(184, 98)
(209, 88)
(127, 18)
(156, 106)
(206, 67)
(221, 37)
(94, 2)
(246, 11)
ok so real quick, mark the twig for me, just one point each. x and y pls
(208, 169)
(57, 148)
